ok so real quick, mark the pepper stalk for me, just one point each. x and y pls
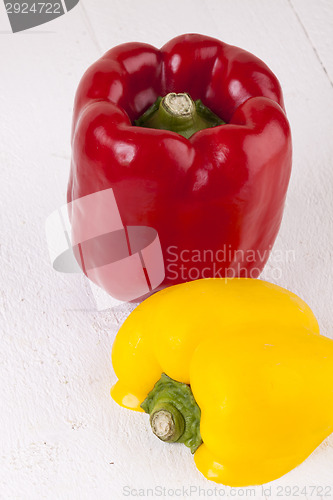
(174, 413)
(179, 113)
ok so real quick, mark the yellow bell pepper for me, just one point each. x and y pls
(236, 369)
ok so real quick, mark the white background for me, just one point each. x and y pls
(62, 437)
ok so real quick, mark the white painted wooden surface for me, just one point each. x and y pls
(62, 437)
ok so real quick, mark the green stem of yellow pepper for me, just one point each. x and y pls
(174, 413)
(167, 423)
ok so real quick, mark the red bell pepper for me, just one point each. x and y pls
(215, 196)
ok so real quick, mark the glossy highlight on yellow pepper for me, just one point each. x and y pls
(258, 370)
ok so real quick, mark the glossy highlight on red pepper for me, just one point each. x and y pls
(216, 199)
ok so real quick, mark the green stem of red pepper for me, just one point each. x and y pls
(174, 413)
(179, 113)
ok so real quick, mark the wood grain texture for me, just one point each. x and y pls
(316, 19)
(62, 436)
